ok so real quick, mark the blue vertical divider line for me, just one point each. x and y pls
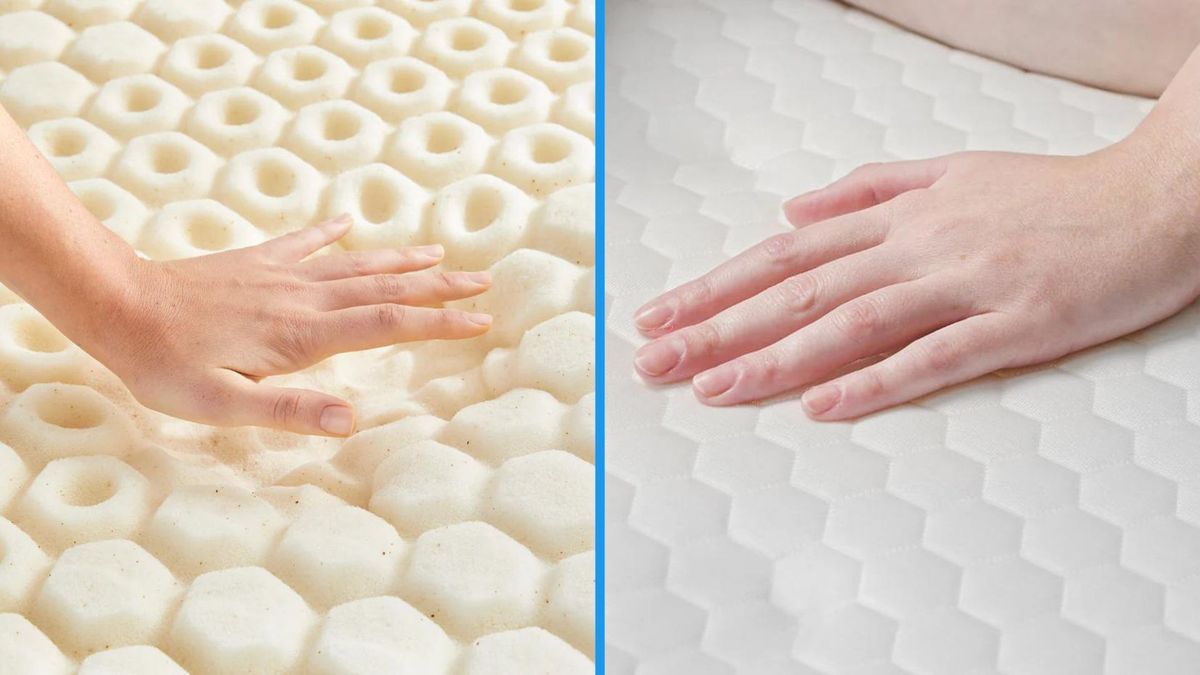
(599, 309)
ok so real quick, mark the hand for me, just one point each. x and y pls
(951, 267)
(192, 338)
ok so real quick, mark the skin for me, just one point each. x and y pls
(947, 268)
(1133, 46)
(193, 338)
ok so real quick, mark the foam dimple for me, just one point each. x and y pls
(328, 7)
(546, 501)
(118, 210)
(517, 17)
(174, 19)
(479, 219)
(199, 529)
(402, 87)
(111, 50)
(44, 91)
(269, 25)
(525, 650)
(463, 45)
(387, 207)
(165, 167)
(25, 649)
(503, 98)
(241, 620)
(363, 35)
(583, 16)
(426, 485)
(236, 119)
(474, 578)
(207, 63)
(75, 148)
(76, 500)
(335, 136)
(29, 37)
(303, 75)
(559, 57)
(51, 420)
(438, 148)
(271, 187)
(186, 229)
(23, 565)
(337, 554)
(32, 350)
(137, 660)
(379, 635)
(105, 594)
(543, 158)
(138, 104)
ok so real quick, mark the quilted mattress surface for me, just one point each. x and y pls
(1044, 521)
(454, 532)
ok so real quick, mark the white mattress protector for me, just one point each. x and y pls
(1045, 521)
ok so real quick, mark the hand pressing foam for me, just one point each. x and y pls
(454, 532)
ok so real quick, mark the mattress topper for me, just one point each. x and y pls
(1040, 521)
(454, 532)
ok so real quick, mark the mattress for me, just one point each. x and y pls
(454, 532)
(1040, 521)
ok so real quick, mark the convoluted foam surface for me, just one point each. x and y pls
(454, 532)
(1039, 522)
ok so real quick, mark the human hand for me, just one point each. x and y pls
(953, 267)
(193, 337)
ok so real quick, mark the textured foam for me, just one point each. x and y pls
(1042, 521)
(454, 532)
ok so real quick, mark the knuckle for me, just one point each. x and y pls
(859, 319)
(359, 264)
(388, 316)
(286, 407)
(703, 338)
(798, 294)
(697, 292)
(766, 366)
(780, 249)
(388, 285)
(870, 384)
(941, 354)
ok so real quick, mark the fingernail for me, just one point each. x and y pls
(435, 251)
(480, 319)
(479, 277)
(715, 382)
(337, 420)
(653, 318)
(658, 358)
(821, 398)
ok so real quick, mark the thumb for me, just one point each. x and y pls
(868, 185)
(300, 411)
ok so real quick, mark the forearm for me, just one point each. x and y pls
(53, 252)
(1134, 46)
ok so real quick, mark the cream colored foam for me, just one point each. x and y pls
(454, 532)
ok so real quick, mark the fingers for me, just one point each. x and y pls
(365, 263)
(297, 410)
(409, 289)
(765, 318)
(297, 245)
(371, 326)
(862, 188)
(757, 269)
(872, 324)
(957, 353)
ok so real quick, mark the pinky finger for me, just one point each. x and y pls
(956, 353)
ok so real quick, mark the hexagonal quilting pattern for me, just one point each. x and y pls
(1040, 522)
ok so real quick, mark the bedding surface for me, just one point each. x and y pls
(1043, 521)
(454, 532)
